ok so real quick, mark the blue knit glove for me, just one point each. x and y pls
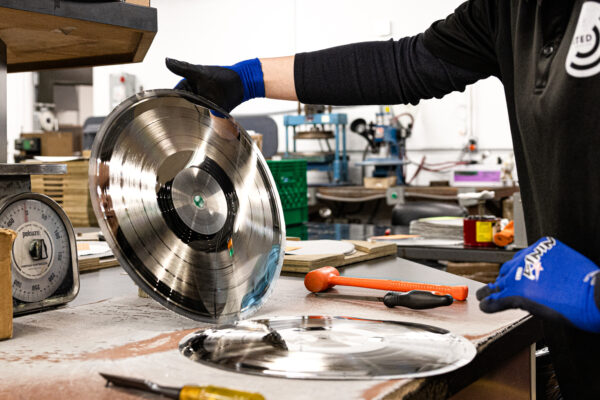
(550, 280)
(227, 87)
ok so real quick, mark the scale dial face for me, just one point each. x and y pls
(41, 256)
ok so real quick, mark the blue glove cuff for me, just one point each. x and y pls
(250, 72)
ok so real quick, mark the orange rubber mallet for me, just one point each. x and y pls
(327, 277)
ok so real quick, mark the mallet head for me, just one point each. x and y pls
(318, 280)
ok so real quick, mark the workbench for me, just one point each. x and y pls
(57, 354)
(317, 230)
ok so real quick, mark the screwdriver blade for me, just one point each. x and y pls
(349, 297)
(140, 384)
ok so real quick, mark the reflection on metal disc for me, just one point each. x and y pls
(188, 205)
(317, 347)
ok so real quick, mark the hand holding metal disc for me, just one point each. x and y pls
(188, 205)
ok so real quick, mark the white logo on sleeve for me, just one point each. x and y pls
(583, 59)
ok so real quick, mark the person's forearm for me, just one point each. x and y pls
(278, 75)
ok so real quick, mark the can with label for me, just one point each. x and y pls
(479, 230)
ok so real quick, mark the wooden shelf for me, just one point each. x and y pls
(44, 34)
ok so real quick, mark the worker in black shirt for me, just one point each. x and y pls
(547, 55)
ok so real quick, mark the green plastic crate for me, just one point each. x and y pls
(299, 231)
(290, 178)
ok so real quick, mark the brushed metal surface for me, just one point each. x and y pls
(188, 205)
(33, 169)
(322, 347)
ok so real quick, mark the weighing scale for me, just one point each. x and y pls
(44, 254)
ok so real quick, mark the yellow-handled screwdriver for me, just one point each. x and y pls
(184, 393)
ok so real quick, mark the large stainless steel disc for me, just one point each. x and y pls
(188, 205)
(317, 347)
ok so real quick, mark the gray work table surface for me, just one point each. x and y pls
(58, 353)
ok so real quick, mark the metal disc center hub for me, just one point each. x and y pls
(199, 200)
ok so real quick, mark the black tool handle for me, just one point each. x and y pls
(416, 299)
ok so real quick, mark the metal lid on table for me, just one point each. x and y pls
(188, 206)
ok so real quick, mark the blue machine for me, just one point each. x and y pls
(338, 164)
(386, 136)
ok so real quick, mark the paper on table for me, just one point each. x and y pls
(58, 158)
(89, 248)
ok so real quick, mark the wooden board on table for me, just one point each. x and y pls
(364, 251)
(70, 190)
(92, 263)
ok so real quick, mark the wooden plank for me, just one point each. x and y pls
(6, 301)
(364, 251)
(373, 247)
(145, 3)
(71, 191)
(313, 261)
(39, 35)
(89, 264)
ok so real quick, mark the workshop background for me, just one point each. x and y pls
(225, 32)
(125, 240)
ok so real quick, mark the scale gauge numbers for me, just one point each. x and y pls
(42, 253)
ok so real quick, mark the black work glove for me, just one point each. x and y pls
(227, 87)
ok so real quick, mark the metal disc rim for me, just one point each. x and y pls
(112, 242)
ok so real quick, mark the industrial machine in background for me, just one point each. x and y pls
(44, 117)
(48, 138)
(319, 123)
(386, 144)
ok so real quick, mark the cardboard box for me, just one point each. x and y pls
(66, 142)
(6, 301)
(379, 183)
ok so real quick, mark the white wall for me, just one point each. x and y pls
(19, 110)
(222, 32)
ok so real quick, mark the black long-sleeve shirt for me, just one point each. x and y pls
(390, 72)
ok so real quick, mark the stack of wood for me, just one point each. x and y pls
(70, 191)
(96, 262)
(364, 251)
(93, 253)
